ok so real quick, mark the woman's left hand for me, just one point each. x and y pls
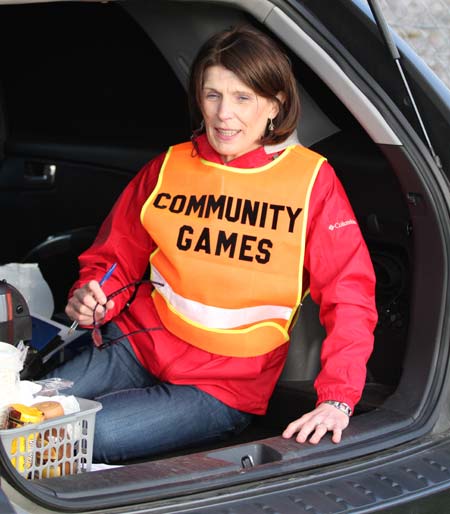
(324, 418)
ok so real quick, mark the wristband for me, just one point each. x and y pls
(343, 407)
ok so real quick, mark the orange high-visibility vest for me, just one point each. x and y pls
(230, 248)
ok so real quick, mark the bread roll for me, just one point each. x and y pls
(50, 409)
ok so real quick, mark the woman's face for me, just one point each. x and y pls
(235, 116)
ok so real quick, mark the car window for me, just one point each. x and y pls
(87, 73)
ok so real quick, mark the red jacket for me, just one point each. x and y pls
(337, 268)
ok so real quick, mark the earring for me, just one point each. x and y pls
(197, 132)
(271, 125)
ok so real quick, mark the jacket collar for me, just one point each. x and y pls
(253, 159)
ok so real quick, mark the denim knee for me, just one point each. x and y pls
(106, 449)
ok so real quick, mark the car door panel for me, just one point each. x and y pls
(42, 193)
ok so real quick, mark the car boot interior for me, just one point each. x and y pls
(101, 102)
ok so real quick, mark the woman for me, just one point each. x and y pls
(238, 225)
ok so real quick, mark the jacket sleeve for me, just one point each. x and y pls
(342, 282)
(122, 239)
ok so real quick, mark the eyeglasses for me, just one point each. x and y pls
(96, 333)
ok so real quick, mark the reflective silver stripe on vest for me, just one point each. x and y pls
(217, 317)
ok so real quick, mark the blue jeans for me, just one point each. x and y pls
(141, 416)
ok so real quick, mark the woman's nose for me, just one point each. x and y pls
(224, 111)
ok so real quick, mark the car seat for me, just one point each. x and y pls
(303, 360)
(57, 257)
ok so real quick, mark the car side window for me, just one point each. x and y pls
(84, 73)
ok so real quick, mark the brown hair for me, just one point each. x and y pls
(260, 64)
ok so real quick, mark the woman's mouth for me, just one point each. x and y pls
(226, 133)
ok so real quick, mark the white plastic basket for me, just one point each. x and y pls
(57, 447)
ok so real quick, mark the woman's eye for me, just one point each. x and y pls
(243, 98)
(212, 96)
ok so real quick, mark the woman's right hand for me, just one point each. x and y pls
(81, 305)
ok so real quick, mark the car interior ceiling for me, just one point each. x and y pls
(373, 189)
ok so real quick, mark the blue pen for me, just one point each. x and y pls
(108, 274)
(102, 281)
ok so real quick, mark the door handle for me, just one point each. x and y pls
(40, 173)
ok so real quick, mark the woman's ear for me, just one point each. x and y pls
(281, 97)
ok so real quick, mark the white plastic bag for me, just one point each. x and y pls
(28, 279)
(10, 367)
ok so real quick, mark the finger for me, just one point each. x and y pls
(82, 319)
(74, 311)
(109, 305)
(99, 312)
(80, 307)
(293, 427)
(319, 432)
(97, 292)
(289, 431)
(85, 320)
(84, 296)
(337, 435)
(306, 431)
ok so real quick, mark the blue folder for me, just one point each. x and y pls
(42, 333)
